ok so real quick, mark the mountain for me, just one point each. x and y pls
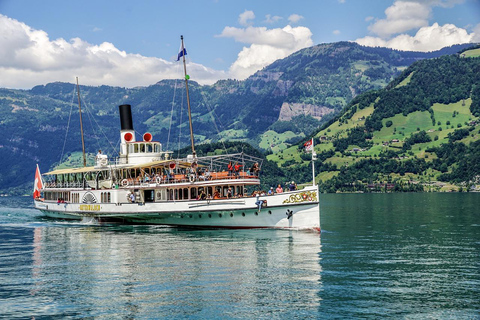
(271, 109)
(421, 132)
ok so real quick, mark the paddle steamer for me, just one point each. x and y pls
(144, 184)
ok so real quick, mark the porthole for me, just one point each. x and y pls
(200, 216)
(220, 215)
(181, 216)
(191, 216)
(256, 213)
(231, 214)
(269, 211)
(209, 215)
(243, 214)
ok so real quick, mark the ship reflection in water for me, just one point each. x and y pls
(154, 271)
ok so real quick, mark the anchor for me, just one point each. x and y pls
(289, 213)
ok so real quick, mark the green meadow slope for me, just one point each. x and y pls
(420, 133)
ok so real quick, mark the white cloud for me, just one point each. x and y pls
(336, 32)
(266, 46)
(476, 33)
(429, 38)
(400, 17)
(245, 17)
(29, 57)
(369, 18)
(272, 19)
(294, 18)
(409, 15)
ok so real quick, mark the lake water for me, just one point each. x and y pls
(379, 255)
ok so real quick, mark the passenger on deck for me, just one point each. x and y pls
(279, 189)
(292, 186)
(258, 202)
(131, 197)
(255, 169)
(230, 169)
(237, 169)
(207, 174)
(99, 155)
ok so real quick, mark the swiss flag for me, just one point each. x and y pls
(38, 185)
(308, 145)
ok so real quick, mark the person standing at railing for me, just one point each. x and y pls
(230, 169)
(237, 169)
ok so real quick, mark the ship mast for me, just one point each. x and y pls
(188, 98)
(81, 125)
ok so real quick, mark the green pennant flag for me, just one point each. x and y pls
(187, 77)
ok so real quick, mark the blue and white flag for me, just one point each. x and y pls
(182, 53)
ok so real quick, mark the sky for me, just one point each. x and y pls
(135, 43)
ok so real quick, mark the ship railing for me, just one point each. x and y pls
(69, 184)
(219, 163)
(182, 178)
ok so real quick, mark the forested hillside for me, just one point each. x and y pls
(419, 133)
(272, 109)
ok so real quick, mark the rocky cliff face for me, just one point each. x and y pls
(291, 110)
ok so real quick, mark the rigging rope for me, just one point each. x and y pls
(171, 113)
(180, 127)
(68, 126)
(212, 113)
(90, 117)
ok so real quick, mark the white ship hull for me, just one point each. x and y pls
(291, 210)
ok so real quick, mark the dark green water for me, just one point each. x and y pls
(379, 255)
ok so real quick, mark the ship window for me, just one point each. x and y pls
(130, 148)
(135, 148)
(157, 147)
(149, 147)
(109, 198)
(209, 191)
(193, 193)
(176, 194)
(185, 193)
(180, 194)
(142, 147)
(149, 195)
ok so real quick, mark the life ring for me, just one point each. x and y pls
(191, 178)
(158, 180)
(124, 183)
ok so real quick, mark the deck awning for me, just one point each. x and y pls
(73, 170)
(153, 164)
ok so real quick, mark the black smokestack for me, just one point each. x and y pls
(126, 117)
